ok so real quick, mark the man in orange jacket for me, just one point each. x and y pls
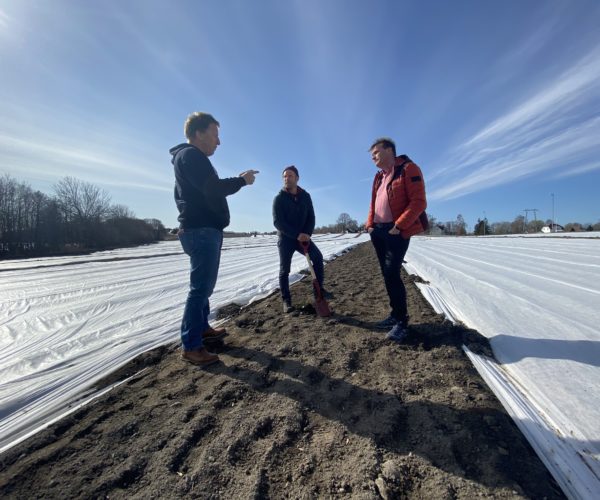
(396, 213)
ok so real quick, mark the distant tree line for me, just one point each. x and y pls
(483, 227)
(457, 227)
(78, 217)
(344, 224)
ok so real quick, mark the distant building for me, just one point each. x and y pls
(557, 229)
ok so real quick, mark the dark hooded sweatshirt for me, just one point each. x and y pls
(200, 195)
(293, 214)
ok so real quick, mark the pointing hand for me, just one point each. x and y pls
(249, 176)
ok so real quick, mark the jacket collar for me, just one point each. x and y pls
(399, 164)
(300, 190)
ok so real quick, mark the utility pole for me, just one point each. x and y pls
(527, 210)
(484, 222)
(553, 223)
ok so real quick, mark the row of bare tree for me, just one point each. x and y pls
(78, 217)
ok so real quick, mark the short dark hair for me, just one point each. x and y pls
(385, 142)
(292, 168)
(198, 122)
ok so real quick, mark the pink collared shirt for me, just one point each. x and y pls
(383, 211)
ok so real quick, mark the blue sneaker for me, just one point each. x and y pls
(388, 322)
(398, 333)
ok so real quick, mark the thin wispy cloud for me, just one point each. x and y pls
(555, 128)
(547, 154)
(51, 159)
(320, 189)
(527, 48)
(581, 169)
(160, 54)
(4, 19)
(567, 91)
(189, 48)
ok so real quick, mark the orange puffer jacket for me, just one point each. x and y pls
(406, 195)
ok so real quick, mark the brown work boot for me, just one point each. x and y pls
(200, 357)
(214, 333)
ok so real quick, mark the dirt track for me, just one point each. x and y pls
(299, 407)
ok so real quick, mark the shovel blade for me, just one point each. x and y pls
(321, 305)
(322, 308)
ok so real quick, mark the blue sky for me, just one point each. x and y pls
(498, 102)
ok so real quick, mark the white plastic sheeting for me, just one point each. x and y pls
(66, 322)
(538, 302)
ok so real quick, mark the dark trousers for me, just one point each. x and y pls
(287, 247)
(390, 251)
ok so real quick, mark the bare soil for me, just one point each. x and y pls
(298, 407)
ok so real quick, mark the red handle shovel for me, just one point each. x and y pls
(321, 305)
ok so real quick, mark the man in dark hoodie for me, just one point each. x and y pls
(294, 218)
(203, 214)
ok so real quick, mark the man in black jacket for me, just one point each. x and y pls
(294, 218)
(200, 197)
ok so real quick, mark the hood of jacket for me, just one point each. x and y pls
(180, 147)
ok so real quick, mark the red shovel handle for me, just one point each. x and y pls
(305, 245)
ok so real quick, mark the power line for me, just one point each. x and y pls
(527, 210)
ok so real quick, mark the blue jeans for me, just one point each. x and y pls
(287, 247)
(203, 245)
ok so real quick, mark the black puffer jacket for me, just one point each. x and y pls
(199, 193)
(293, 214)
